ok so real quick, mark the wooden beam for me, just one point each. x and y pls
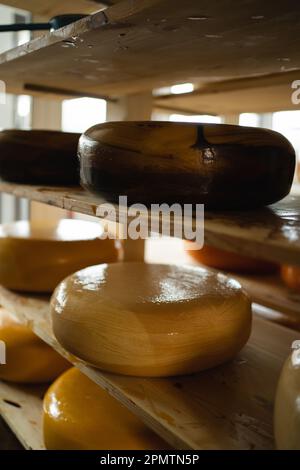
(269, 93)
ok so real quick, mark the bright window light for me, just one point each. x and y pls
(182, 88)
(249, 119)
(23, 105)
(81, 113)
(288, 124)
(195, 118)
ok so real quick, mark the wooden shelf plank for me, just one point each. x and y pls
(21, 407)
(265, 94)
(142, 44)
(49, 8)
(271, 233)
(229, 407)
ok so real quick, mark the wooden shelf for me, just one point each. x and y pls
(138, 45)
(265, 94)
(271, 233)
(229, 407)
(49, 8)
(21, 407)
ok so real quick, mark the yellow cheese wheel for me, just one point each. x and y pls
(28, 359)
(36, 257)
(291, 276)
(79, 415)
(287, 404)
(229, 261)
(150, 319)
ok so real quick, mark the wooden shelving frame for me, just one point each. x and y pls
(132, 47)
(190, 412)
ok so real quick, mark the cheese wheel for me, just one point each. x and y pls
(28, 359)
(291, 276)
(287, 404)
(36, 258)
(39, 157)
(150, 319)
(219, 165)
(79, 415)
(228, 261)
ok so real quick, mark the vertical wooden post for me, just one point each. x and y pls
(136, 107)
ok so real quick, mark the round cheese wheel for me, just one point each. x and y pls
(219, 165)
(149, 319)
(39, 157)
(28, 359)
(287, 409)
(79, 415)
(35, 258)
(291, 276)
(228, 261)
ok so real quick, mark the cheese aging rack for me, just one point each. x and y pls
(122, 53)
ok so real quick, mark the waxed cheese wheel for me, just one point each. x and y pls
(28, 358)
(221, 166)
(287, 403)
(79, 415)
(39, 157)
(35, 257)
(150, 319)
(229, 261)
(291, 276)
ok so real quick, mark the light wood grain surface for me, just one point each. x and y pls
(271, 233)
(229, 407)
(49, 8)
(21, 408)
(138, 45)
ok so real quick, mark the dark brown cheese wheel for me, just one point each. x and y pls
(39, 157)
(221, 166)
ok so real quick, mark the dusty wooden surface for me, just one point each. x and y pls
(228, 407)
(142, 44)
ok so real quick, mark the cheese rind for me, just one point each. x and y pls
(229, 261)
(151, 320)
(291, 276)
(28, 359)
(35, 258)
(79, 415)
(287, 404)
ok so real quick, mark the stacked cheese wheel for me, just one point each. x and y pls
(151, 320)
(28, 359)
(35, 257)
(228, 261)
(219, 165)
(291, 277)
(287, 409)
(79, 415)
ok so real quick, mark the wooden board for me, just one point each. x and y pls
(49, 8)
(229, 407)
(21, 407)
(142, 44)
(271, 233)
(8, 440)
(269, 93)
